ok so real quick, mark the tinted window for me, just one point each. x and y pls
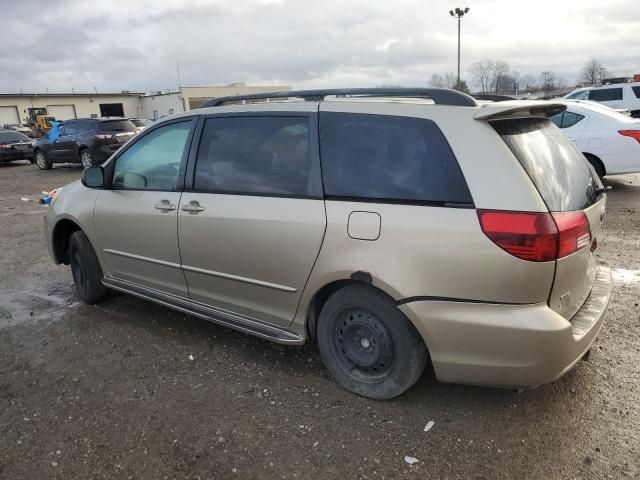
(117, 126)
(85, 126)
(385, 157)
(557, 119)
(13, 137)
(580, 95)
(605, 94)
(153, 162)
(636, 90)
(70, 128)
(570, 119)
(559, 171)
(255, 155)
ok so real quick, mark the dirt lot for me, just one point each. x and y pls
(128, 389)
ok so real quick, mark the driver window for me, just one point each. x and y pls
(153, 162)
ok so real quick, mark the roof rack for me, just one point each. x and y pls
(440, 96)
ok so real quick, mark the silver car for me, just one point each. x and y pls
(394, 227)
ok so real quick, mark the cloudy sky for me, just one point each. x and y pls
(135, 44)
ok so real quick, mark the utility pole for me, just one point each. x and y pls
(459, 13)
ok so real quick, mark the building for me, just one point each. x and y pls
(19, 108)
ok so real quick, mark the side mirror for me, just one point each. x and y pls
(93, 177)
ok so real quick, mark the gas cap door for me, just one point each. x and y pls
(364, 225)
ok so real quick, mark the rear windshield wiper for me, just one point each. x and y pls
(603, 189)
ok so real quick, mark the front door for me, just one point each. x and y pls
(251, 229)
(136, 219)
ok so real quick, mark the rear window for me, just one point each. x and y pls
(605, 94)
(381, 157)
(12, 137)
(117, 126)
(559, 171)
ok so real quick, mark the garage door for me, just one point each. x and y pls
(62, 112)
(9, 115)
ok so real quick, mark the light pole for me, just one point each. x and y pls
(459, 13)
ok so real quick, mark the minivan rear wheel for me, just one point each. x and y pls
(368, 345)
(86, 270)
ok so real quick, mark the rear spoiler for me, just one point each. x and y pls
(519, 109)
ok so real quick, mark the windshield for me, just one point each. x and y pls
(559, 171)
(12, 137)
(117, 126)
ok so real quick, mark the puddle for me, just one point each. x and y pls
(24, 306)
(626, 276)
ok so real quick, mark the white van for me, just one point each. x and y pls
(618, 95)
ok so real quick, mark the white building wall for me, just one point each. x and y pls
(158, 106)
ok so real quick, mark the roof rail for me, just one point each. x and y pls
(440, 96)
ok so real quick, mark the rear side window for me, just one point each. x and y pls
(559, 171)
(605, 94)
(381, 157)
(584, 95)
(85, 126)
(116, 126)
(70, 128)
(255, 156)
(566, 119)
(636, 90)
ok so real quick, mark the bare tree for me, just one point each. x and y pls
(450, 80)
(594, 72)
(487, 74)
(528, 83)
(437, 81)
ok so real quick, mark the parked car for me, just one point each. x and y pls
(609, 139)
(24, 129)
(89, 141)
(140, 123)
(618, 95)
(15, 146)
(370, 223)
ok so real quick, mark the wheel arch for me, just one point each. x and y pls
(60, 239)
(594, 159)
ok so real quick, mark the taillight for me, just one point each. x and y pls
(631, 133)
(104, 136)
(574, 232)
(4, 145)
(536, 237)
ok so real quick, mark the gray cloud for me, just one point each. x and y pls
(120, 44)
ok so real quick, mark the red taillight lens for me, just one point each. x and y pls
(574, 232)
(526, 235)
(4, 145)
(536, 237)
(630, 133)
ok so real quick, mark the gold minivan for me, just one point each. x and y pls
(392, 226)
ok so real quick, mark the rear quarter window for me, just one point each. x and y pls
(605, 94)
(559, 171)
(117, 126)
(389, 158)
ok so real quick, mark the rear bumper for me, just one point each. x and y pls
(11, 155)
(514, 346)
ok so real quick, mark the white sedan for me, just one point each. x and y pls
(610, 140)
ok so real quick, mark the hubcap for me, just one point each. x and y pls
(40, 159)
(86, 159)
(363, 344)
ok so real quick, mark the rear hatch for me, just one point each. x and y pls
(118, 131)
(573, 194)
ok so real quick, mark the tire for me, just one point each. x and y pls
(86, 158)
(368, 345)
(41, 160)
(596, 164)
(86, 270)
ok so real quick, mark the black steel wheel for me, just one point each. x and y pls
(367, 343)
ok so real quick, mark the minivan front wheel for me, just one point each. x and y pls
(42, 161)
(86, 270)
(86, 158)
(368, 345)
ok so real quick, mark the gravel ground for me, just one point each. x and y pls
(128, 389)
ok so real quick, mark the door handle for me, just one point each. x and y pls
(165, 205)
(192, 207)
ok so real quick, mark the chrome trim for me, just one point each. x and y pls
(251, 281)
(260, 283)
(141, 258)
(223, 317)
